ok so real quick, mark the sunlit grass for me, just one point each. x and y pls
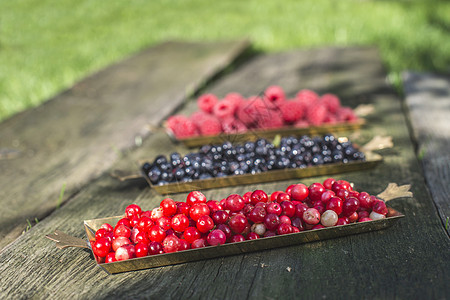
(46, 46)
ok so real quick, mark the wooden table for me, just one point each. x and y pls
(108, 121)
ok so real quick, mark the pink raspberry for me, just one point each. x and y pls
(181, 126)
(206, 102)
(268, 119)
(331, 119)
(208, 125)
(331, 101)
(346, 114)
(307, 97)
(292, 111)
(275, 95)
(316, 114)
(232, 125)
(247, 112)
(235, 98)
(224, 109)
(198, 117)
(301, 124)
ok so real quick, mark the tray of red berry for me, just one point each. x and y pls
(239, 119)
(284, 158)
(197, 229)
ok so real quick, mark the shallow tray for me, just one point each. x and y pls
(372, 159)
(237, 248)
(254, 134)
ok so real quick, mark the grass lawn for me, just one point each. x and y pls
(48, 45)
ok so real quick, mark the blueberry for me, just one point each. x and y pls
(146, 167)
(175, 159)
(159, 160)
(154, 174)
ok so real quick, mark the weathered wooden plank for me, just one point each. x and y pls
(428, 102)
(409, 260)
(76, 136)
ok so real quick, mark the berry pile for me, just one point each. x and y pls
(250, 158)
(236, 114)
(196, 223)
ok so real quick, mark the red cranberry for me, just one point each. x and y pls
(155, 248)
(248, 208)
(220, 217)
(124, 221)
(262, 204)
(247, 197)
(364, 219)
(298, 223)
(198, 210)
(183, 245)
(341, 185)
(252, 236)
(365, 201)
(258, 196)
(234, 203)
(285, 219)
(271, 221)
(237, 238)
(147, 213)
(205, 224)
(183, 208)
(195, 197)
(335, 204)
(328, 183)
(274, 195)
(320, 207)
(141, 249)
(315, 191)
(169, 207)
(107, 227)
(133, 210)
(134, 220)
(156, 234)
(343, 194)
(317, 226)
(274, 208)
(141, 237)
(102, 247)
(179, 223)
(225, 230)
(287, 208)
(311, 216)
(326, 196)
(119, 242)
(380, 207)
(170, 244)
(125, 252)
(191, 234)
(156, 214)
(283, 197)
(284, 228)
(111, 257)
(289, 188)
(342, 221)
(238, 223)
(257, 214)
(353, 217)
(164, 222)
(216, 237)
(198, 243)
(300, 209)
(102, 232)
(214, 205)
(144, 224)
(270, 233)
(350, 205)
(299, 192)
(122, 230)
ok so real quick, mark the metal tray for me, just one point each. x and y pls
(254, 134)
(372, 159)
(236, 248)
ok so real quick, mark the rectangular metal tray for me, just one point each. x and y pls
(268, 133)
(372, 159)
(236, 248)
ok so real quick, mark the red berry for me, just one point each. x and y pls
(122, 230)
(179, 223)
(341, 185)
(102, 247)
(195, 197)
(156, 214)
(328, 183)
(285, 219)
(364, 219)
(233, 125)
(380, 207)
(238, 223)
(183, 208)
(234, 203)
(287, 208)
(170, 244)
(316, 114)
(134, 220)
(275, 95)
(317, 226)
(220, 217)
(111, 257)
(353, 217)
(300, 209)
(141, 237)
(133, 210)
(224, 109)
(271, 221)
(198, 210)
(205, 224)
(342, 221)
(206, 102)
(299, 192)
(274, 208)
(284, 228)
(164, 222)
(365, 201)
(199, 243)
(252, 236)
(326, 196)
(283, 197)
(155, 248)
(119, 242)
(216, 237)
(124, 221)
(181, 126)
(183, 245)
(298, 223)
(258, 196)
(191, 234)
(331, 101)
(207, 125)
(102, 232)
(350, 205)
(307, 96)
(214, 205)
(257, 214)
(237, 238)
(225, 230)
(292, 111)
(363, 214)
(107, 227)
(141, 249)
(335, 204)
(156, 234)
(125, 252)
(315, 191)
(311, 216)
(169, 207)
(144, 224)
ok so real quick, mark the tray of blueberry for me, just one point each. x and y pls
(228, 164)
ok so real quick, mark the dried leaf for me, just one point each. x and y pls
(124, 175)
(393, 191)
(378, 143)
(63, 240)
(363, 110)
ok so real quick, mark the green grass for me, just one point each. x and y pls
(48, 45)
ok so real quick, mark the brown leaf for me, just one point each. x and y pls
(393, 191)
(378, 143)
(363, 110)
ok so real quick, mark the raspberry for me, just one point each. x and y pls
(307, 96)
(268, 118)
(331, 102)
(247, 112)
(275, 94)
(301, 124)
(346, 114)
(316, 114)
(208, 125)
(232, 125)
(224, 109)
(331, 119)
(181, 126)
(206, 102)
(198, 117)
(291, 111)
(235, 98)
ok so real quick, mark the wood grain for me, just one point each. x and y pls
(407, 261)
(428, 103)
(76, 136)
